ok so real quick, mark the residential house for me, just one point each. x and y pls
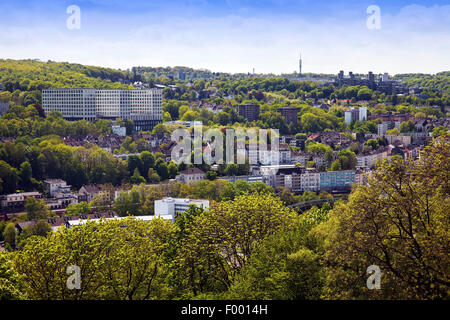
(56, 185)
(191, 175)
(16, 201)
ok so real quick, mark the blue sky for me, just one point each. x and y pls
(232, 35)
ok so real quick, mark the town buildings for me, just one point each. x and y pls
(144, 107)
(382, 84)
(300, 179)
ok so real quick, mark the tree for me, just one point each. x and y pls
(347, 159)
(372, 143)
(153, 177)
(407, 126)
(286, 196)
(9, 177)
(231, 169)
(36, 209)
(147, 161)
(128, 203)
(81, 208)
(102, 250)
(135, 162)
(11, 283)
(211, 175)
(224, 238)
(25, 174)
(336, 165)
(172, 169)
(9, 235)
(139, 249)
(162, 170)
(364, 94)
(136, 178)
(394, 131)
(40, 228)
(439, 131)
(319, 147)
(398, 222)
(284, 266)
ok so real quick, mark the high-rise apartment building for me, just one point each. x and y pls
(289, 113)
(249, 111)
(353, 114)
(144, 107)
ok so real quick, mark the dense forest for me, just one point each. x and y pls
(439, 81)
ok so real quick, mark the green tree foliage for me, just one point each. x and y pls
(11, 283)
(118, 259)
(8, 178)
(81, 208)
(224, 238)
(136, 178)
(36, 209)
(439, 131)
(9, 235)
(40, 228)
(172, 169)
(153, 177)
(399, 223)
(284, 266)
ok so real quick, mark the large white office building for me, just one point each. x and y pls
(144, 107)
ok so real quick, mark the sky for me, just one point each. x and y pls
(233, 35)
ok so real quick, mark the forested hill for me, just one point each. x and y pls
(24, 79)
(440, 81)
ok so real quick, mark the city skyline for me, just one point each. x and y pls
(233, 36)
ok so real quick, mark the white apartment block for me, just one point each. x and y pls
(170, 206)
(144, 107)
(299, 157)
(368, 161)
(56, 185)
(310, 180)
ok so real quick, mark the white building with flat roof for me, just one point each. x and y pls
(73, 223)
(144, 107)
(170, 206)
(56, 185)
